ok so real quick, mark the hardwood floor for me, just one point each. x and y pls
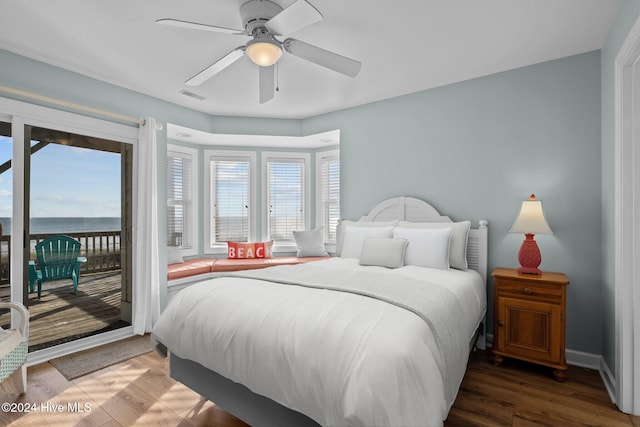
(139, 392)
(523, 394)
(136, 392)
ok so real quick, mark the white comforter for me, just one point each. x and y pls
(338, 357)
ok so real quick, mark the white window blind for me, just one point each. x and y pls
(329, 197)
(230, 189)
(286, 198)
(179, 199)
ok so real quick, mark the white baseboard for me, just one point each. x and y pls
(608, 379)
(595, 362)
(583, 360)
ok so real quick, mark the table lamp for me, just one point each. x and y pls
(530, 221)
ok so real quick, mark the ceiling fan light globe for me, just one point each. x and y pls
(263, 52)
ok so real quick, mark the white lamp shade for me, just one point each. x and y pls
(531, 219)
(263, 52)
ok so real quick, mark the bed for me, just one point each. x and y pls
(357, 339)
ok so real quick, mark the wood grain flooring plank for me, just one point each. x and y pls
(531, 394)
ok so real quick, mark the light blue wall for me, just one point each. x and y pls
(476, 149)
(628, 14)
(473, 149)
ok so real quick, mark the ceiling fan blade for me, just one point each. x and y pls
(339, 63)
(196, 26)
(298, 15)
(266, 83)
(216, 67)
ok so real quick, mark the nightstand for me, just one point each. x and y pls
(529, 318)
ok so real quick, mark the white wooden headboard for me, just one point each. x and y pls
(416, 210)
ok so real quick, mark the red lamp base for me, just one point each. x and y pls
(529, 256)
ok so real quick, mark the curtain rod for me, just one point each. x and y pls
(77, 107)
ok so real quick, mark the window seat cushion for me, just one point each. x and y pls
(193, 267)
(190, 267)
(226, 265)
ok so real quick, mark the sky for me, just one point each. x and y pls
(66, 182)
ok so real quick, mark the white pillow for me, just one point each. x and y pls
(354, 238)
(383, 252)
(174, 256)
(459, 237)
(310, 243)
(340, 229)
(428, 247)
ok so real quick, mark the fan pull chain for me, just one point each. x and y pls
(277, 77)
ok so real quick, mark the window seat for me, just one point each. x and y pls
(190, 267)
(226, 265)
(198, 266)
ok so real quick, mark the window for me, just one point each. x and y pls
(285, 187)
(230, 181)
(181, 201)
(328, 193)
(248, 202)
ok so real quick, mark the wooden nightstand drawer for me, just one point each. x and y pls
(515, 288)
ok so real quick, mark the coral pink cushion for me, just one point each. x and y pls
(190, 267)
(223, 265)
(193, 267)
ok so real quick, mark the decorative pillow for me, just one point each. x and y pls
(383, 252)
(354, 238)
(459, 236)
(239, 250)
(340, 230)
(174, 256)
(310, 243)
(428, 247)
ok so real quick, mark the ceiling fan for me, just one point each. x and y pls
(263, 21)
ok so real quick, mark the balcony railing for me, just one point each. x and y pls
(101, 248)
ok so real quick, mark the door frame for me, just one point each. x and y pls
(21, 113)
(627, 225)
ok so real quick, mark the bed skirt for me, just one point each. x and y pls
(254, 409)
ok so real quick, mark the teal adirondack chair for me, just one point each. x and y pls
(57, 259)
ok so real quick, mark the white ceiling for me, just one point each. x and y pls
(404, 46)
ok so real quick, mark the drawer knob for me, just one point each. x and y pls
(500, 323)
(528, 291)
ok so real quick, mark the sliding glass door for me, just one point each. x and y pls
(77, 186)
(6, 204)
(63, 174)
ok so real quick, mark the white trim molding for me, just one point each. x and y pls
(608, 379)
(627, 225)
(584, 360)
(597, 363)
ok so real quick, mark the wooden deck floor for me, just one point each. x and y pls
(60, 316)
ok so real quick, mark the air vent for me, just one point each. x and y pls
(192, 95)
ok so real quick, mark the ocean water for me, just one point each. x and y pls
(65, 225)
